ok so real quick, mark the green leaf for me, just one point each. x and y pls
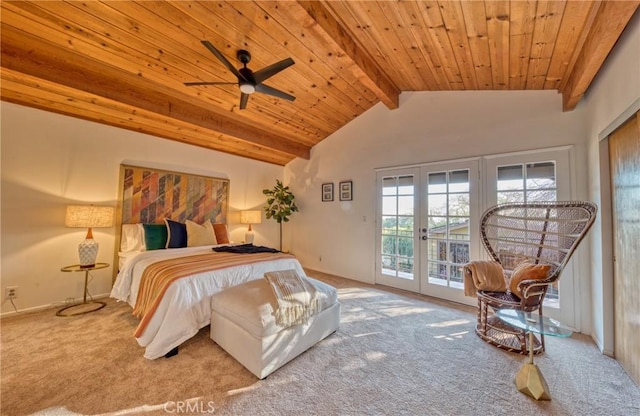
(280, 202)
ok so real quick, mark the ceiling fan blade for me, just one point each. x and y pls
(271, 70)
(265, 89)
(190, 84)
(224, 60)
(243, 100)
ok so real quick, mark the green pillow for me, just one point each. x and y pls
(155, 236)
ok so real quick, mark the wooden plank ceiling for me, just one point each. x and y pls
(124, 63)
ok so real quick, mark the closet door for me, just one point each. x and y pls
(624, 154)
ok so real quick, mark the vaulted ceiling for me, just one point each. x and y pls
(124, 63)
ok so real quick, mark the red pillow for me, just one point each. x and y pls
(527, 271)
(222, 236)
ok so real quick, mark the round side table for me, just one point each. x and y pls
(84, 307)
(529, 379)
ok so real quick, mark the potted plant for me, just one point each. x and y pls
(280, 204)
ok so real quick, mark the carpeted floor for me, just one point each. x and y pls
(394, 354)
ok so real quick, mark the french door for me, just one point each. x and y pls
(397, 234)
(538, 176)
(449, 232)
(428, 228)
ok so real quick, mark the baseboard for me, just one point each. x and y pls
(320, 270)
(607, 352)
(43, 307)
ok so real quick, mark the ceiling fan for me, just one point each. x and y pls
(248, 80)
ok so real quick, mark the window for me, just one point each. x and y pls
(529, 182)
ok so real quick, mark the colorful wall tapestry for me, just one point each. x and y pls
(150, 195)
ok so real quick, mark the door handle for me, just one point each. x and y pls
(424, 237)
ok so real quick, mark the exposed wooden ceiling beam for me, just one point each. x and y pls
(23, 54)
(605, 31)
(22, 89)
(366, 69)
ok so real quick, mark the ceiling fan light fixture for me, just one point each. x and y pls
(248, 81)
(247, 88)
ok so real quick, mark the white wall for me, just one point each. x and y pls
(612, 98)
(428, 126)
(449, 125)
(50, 161)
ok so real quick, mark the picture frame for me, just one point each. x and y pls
(345, 189)
(327, 192)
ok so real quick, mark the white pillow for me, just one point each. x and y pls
(132, 238)
(200, 235)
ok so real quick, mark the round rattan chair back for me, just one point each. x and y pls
(544, 232)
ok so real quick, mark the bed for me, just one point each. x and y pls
(169, 217)
(185, 307)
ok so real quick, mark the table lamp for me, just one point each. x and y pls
(88, 216)
(250, 217)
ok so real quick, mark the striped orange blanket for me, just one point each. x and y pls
(157, 277)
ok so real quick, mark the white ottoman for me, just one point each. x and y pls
(243, 324)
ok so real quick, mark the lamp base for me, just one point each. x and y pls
(88, 252)
(248, 237)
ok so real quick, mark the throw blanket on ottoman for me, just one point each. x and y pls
(296, 297)
(243, 323)
(483, 275)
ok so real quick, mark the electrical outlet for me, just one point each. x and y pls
(11, 292)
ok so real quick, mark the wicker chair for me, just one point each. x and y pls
(542, 233)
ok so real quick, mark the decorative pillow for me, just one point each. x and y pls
(527, 271)
(176, 234)
(222, 234)
(132, 238)
(200, 235)
(155, 236)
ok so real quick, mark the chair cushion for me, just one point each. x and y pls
(499, 299)
(527, 271)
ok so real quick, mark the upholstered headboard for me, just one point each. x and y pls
(149, 195)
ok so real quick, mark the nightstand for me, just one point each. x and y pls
(84, 307)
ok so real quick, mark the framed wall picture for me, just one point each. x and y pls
(327, 192)
(346, 191)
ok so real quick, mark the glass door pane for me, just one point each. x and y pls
(529, 183)
(448, 231)
(397, 234)
(450, 225)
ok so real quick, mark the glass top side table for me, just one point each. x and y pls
(84, 307)
(529, 379)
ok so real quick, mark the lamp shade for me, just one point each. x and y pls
(250, 217)
(88, 216)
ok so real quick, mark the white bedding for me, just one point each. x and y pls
(186, 305)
